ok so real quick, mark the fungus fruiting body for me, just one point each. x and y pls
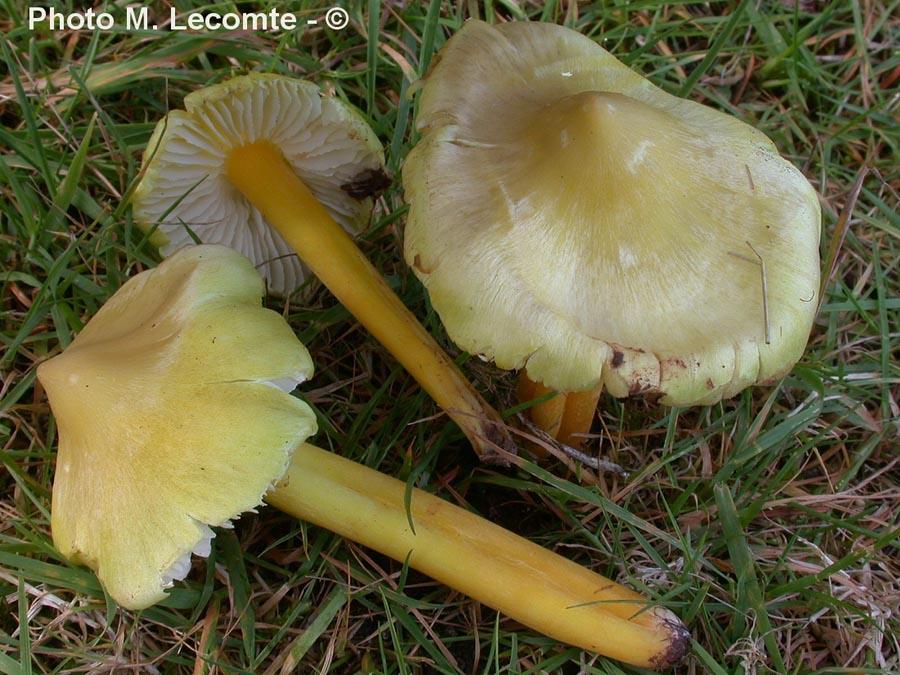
(269, 165)
(174, 417)
(573, 220)
(186, 194)
(163, 417)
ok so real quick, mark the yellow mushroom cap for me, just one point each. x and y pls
(174, 416)
(185, 193)
(569, 217)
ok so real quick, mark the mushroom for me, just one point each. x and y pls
(572, 220)
(267, 164)
(169, 422)
(174, 417)
(186, 195)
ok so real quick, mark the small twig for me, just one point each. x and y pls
(573, 453)
(765, 285)
(765, 292)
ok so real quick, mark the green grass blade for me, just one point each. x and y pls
(750, 600)
(336, 600)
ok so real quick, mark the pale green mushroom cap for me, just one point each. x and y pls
(570, 218)
(185, 193)
(174, 416)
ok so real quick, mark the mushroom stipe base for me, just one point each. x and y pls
(526, 582)
(567, 416)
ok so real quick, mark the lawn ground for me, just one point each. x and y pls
(770, 523)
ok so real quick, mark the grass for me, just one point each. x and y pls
(769, 522)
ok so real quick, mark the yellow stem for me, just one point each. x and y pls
(567, 417)
(546, 415)
(261, 174)
(534, 586)
(578, 416)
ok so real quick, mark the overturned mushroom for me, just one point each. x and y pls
(572, 220)
(267, 164)
(169, 422)
(186, 193)
(174, 417)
